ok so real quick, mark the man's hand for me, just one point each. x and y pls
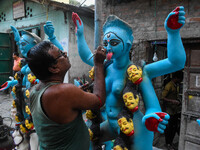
(78, 23)
(16, 33)
(100, 55)
(156, 122)
(49, 30)
(175, 20)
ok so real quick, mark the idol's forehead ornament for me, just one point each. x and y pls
(119, 27)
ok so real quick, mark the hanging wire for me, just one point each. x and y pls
(47, 9)
(155, 58)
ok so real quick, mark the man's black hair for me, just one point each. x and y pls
(39, 60)
(16, 53)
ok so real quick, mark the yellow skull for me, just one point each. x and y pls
(16, 76)
(22, 128)
(91, 73)
(20, 64)
(90, 115)
(17, 118)
(28, 125)
(91, 134)
(31, 78)
(134, 73)
(14, 89)
(27, 93)
(13, 103)
(28, 110)
(118, 147)
(126, 126)
(130, 101)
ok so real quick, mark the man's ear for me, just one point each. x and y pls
(53, 69)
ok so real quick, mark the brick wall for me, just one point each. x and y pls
(147, 20)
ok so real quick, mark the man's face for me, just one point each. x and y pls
(130, 101)
(125, 126)
(61, 57)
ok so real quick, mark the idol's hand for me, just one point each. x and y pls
(49, 30)
(16, 33)
(175, 20)
(8, 84)
(156, 122)
(198, 120)
(78, 23)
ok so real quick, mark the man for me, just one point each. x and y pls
(56, 106)
(172, 106)
(17, 60)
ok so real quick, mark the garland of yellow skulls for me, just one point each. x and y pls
(131, 100)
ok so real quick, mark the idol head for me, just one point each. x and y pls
(118, 37)
(27, 110)
(27, 41)
(23, 127)
(134, 74)
(125, 122)
(131, 101)
(28, 124)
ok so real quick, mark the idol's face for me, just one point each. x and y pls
(130, 101)
(118, 147)
(22, 128)
(125, 126)
(23, 45)
(134, 73)
(113, 45)
(17, 118)
(28, 125)
(28, 110)
(26, 42)
(31, 77)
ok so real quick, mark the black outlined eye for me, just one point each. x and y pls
(114, 42)
(105, 43)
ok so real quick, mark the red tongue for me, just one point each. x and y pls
(109, 56)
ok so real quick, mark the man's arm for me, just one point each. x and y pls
(84, 100)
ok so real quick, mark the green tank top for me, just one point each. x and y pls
(54, 136)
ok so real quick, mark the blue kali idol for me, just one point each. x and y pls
(123, 78)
